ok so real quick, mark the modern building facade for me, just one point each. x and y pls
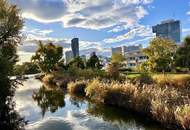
(68, 56)
(133, 55)
(168, 29)
(116, 50)
(127, 49)
(135, 58)
(75, 47)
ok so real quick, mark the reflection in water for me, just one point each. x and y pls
(49, 99)
(120, 117)
(77, 101)
(51, 124)
(63, 112)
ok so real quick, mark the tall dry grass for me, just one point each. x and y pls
(167, 105)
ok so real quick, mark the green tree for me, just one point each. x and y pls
(182, 57)
(47, 57)
(94, 62)
(114, 66)
(10, 26)
(26, 68)
(77, 63)
(117, 58)
(160, 53)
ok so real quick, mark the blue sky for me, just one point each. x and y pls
(99, 24)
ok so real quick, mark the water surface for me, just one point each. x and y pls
(52, 109)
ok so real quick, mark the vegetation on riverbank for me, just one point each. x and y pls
(162, 102)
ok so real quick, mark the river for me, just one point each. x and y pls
(48, 109)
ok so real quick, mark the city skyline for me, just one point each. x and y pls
(100, 24)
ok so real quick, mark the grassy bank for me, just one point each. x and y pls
(63, 78)
(164, 100)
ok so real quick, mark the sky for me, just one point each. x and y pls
(99, 24)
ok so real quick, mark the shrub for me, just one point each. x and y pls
(120, 94)
(163, 113)
(143, 79)
(141, 101)
(48, 79)
(77, 88)
(113, 70)
(182, 114)
(178, 81)
(95, 90)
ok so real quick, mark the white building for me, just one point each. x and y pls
(134, 58)
(133, 55)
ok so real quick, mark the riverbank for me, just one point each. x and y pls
(53, 109)
(162, 98)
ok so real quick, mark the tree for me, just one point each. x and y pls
(113, 67)
(10, 25)
(160, 53)
(94, 62)
(77, 62)
(117, 58)
(26, 68)
(47, 57)
(182, 57)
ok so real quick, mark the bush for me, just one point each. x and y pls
(48, 79)
(167, 105)
(113, 70)
(95, 90)
(182, 114)
(77, 88)
(143, 79)
(174, 80)
(163, 113)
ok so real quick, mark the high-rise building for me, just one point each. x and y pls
(116, 50)
(68, 56)
(168, 29)
(75, 47)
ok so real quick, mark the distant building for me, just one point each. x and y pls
(68, 56)
(168, 29)
(116, 50)
(127, 49)
(75, 47)
(135, 58)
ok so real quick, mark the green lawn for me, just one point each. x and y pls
(156, 75)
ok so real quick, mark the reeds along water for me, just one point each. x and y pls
(162, 101)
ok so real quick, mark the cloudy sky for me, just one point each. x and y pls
(99, 24)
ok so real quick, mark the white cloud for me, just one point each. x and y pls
(186, 30)
(136, 31)
(96, 14)
(33, 35)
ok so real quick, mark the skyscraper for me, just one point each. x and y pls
(168, 29)
(75, 47)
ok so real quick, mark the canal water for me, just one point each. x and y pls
(51, 109)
